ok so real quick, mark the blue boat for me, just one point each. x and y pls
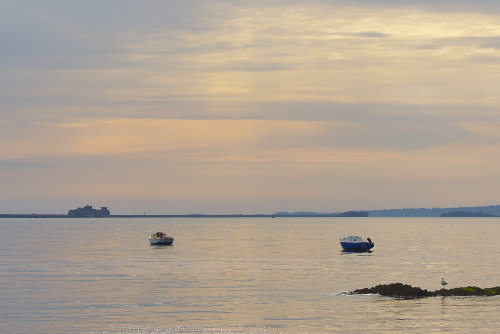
(353, 243)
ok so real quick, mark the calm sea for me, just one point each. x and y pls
(243, 275)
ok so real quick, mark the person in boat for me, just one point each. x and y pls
(369, 240)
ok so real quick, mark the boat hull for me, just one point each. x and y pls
(356, 246)
(161, 242)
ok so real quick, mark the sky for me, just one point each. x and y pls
(220, 107)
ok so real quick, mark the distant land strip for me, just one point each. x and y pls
(473, 211)
(34, 215)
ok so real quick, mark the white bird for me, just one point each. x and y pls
(443, 282)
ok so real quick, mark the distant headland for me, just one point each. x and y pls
(88, 211)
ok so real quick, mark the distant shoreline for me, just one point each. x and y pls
(56, 216)
(462, 212)
(166, 216)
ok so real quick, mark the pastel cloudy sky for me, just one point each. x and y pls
(248, 106)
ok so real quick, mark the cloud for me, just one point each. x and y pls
(229, 140)
(220, 52)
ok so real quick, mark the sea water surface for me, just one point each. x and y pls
(244, 275)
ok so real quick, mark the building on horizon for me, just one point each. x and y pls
(89, 211)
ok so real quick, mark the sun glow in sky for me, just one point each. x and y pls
(248, 106)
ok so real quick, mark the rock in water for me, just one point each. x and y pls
(397, 290)
(469, 291)
(405, 291)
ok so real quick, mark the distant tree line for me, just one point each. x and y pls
(354, 214)
(493, 210)
(467, 214)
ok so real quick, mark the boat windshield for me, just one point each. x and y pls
(352, 238)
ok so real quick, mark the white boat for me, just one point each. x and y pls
(160, 238)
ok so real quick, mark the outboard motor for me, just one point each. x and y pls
(369, 240)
